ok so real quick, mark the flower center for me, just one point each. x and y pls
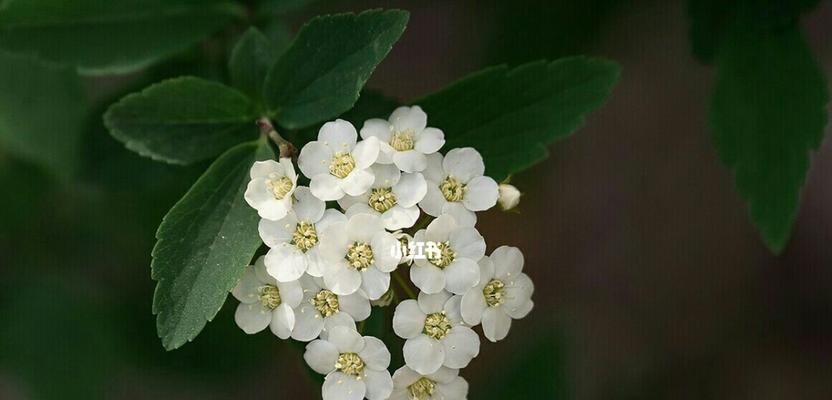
(350, 364)
(452, 189)
(382, 199)
(326, 303)
(494, 292)
(279, 185)
(444, 255)
(437, 325)
(305, 236)
(402, 141)
(342, 164)
(360, 255)
(269, 296)
(421, 389)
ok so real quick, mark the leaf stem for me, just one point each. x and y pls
(403, 284)
(287, 149)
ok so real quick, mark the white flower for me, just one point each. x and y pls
(294, 239)
(359, 253)
(435, 334)
(404, 139)
(456, 185)
(509, 196)
(405, 242)
(504, 293)
(336, 164)
(355, 366)
(444, 384)
(265, 302)
(393, 197)
(321, 310)
(452, 265)
(271, 186)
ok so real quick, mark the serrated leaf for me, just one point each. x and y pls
(42, 113)
(371, 104)
(323, 71)
(768, 112)
(511, 115)
(204, 244)
(250, 61)
(113, 36)
(183, 120)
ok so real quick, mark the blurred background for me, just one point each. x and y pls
(651, 282)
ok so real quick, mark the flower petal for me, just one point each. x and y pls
(375, 354)
(277, 232)
(481, 194)
(366, 153)
(247, 287)
(433, 202)
(339, 135)
(346, 340)
(427, 278)
(331, 216)
(439, 230)
(355, 305)
(252, 318)
(495, 323)
(326, 187)
(472, 306)
(409, 118)
(385, 247)
(321, 356)
(387, 176)
(283, 321)
(357, 182)
(461, 275)
(376, 127)
(307, 207)
(340, 386)
(410, 189)
(374, 283)
(291, 293)
(410, 161)
(430, 141)
(461, 345)
(463, 164)
(363, 227)
(341, 279)
(285, 263)
(338, 319)
(379, 384)
(408, 319)
(399, 217)
(262, 169)
(423, 354)
(308, 323)
(468, 243)
(433, 303)
(314, 159)
(457, 389)
(519, 311)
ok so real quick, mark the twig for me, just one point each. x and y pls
(286, 148)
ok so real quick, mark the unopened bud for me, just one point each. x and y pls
(509, 196)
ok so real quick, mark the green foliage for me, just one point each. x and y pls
(533, 373)
(42, 113)
(183, 120)
(250, 61)
(511, 115)
(113, 36)
(768, 112)
(204, 244)
(323, 71)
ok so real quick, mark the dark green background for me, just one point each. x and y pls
(651, 283)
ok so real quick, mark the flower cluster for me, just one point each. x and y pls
(325, 266)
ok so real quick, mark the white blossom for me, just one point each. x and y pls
(452, 264)
(359, 254)
(444, 384)
(435, 333)
(404, 138)
(393, 197)
(294, 240)
(335, 164)
(265, 302)
(504, 293)
(320, 310)
(271, 187)
(355, 366)
(456, 186)
(509, 196)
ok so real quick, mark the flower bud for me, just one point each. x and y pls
(509, 196)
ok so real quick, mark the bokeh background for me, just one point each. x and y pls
(651, 283)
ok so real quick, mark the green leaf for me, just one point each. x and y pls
(183, 120)
(250, 61)
(323, 71)
(204, 244)
(371, 104)
(511, 115)
(42, 113)
(113, 36)
(535, 371)
(768, 112)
